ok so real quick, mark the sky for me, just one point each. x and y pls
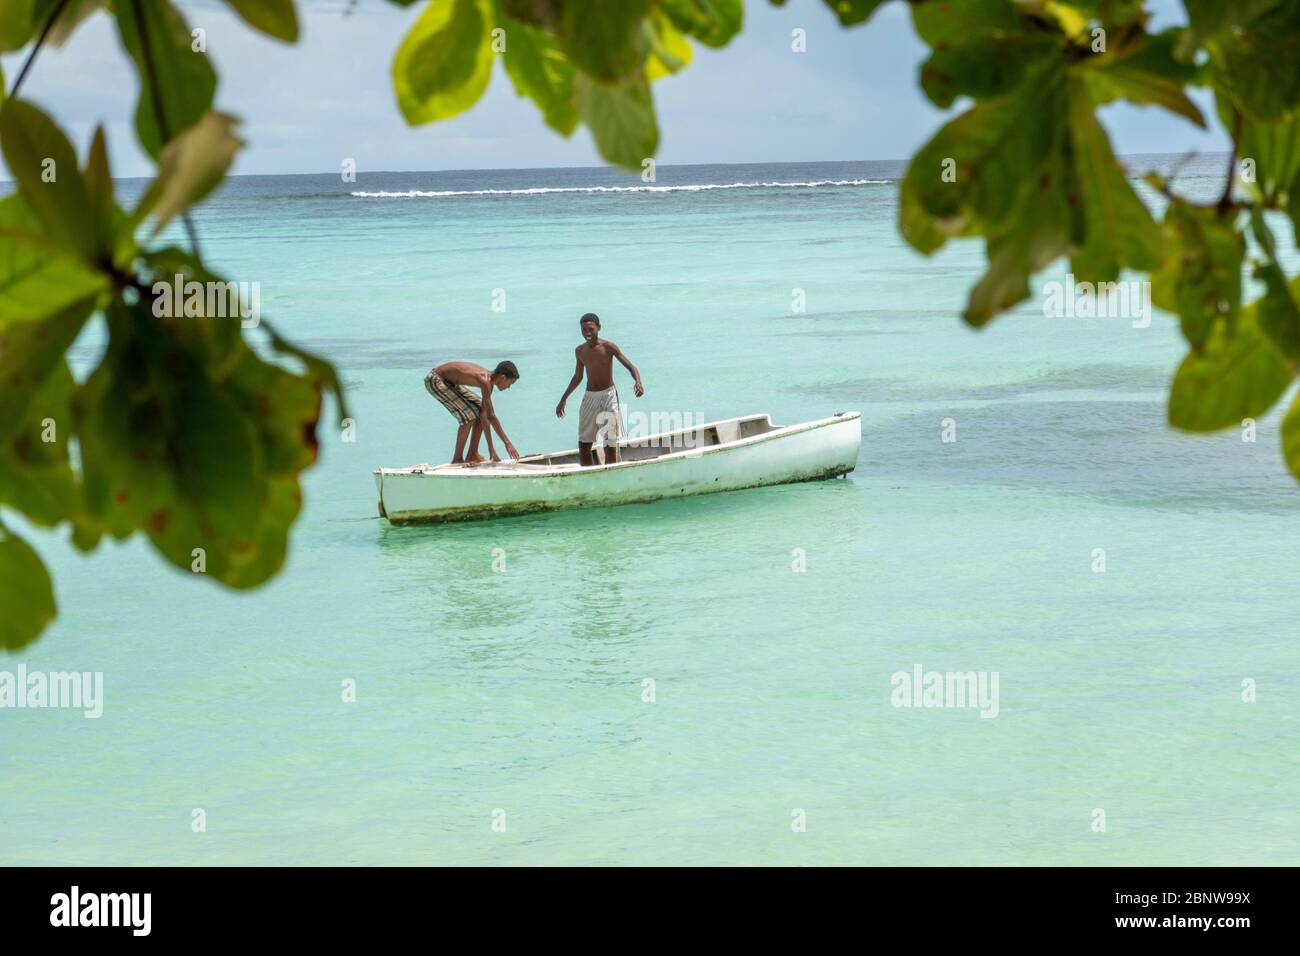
(853, 95)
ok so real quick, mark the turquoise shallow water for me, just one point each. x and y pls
(522, 690)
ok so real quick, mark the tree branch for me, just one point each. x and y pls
(155, 93)
(40, 42)
(1225, 201)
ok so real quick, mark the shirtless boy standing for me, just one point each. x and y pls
(600, 415)
(450, 383)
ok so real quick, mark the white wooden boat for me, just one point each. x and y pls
(720, 456)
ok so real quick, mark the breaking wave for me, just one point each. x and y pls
(542, 190)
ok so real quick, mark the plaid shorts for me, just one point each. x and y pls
(457, 399)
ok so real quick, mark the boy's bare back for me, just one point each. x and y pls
(464, 373)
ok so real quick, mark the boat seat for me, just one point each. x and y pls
(727, 431)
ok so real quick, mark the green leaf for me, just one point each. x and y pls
(1200, 277)
(540, 71)
(939, 22)
(275, 18)
(605, 40)
(999, 170)
(1291, 438)
(1208, 18)
(29, 353)
(37, 278)
(21, 21)
(921, 230)
(283, 408)
(191, 166)
(36, 477)
(973, 175)
(1235, 376)
(1119, 230)
(104, 215)
(191, 437)
(320, 372)
(136, 422)
(712, 22)
(1146, 73)
(45, 166)
(176, 82)
(212, 338)
(1272, 148)
(852, 12)
(1279, 309)
(200, 449)
(670, 51)
(74, 11)
(1110, 13)
(621, 119)
(1015, 255)
(444, 63)
(17, 24)
(984, 67)
(1293, 206)
(1257, 63)
(26, 594)
(538, 13)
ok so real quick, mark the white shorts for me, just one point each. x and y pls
(600, 418)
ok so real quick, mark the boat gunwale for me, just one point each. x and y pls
(778, 431)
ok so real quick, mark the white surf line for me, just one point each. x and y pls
(542, 190)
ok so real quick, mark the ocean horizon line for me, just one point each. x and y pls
(614, 169)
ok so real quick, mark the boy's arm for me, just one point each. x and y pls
(495, 423)
(485, 416)
(490, 421)
(627, 364)
(488, 416)
(573, 383)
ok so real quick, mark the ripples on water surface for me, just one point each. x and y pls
(523, 690)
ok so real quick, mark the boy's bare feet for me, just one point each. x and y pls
(474, 459)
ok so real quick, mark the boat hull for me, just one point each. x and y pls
(808, 452)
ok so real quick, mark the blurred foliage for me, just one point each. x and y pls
(182, 432)
(186, 434)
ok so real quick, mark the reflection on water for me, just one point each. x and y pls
(576, 587)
